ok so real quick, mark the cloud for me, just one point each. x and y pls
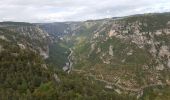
(75, 10)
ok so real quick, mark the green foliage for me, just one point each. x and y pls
(156, 93)
(78, 87)
(21, 72)
(57, 55)
(153, 21)
(22, 76)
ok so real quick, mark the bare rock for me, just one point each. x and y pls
(2, 37)
(130, 52)
(108, 87)
(56, 78)
(158, 32)
(44, 66)
(111, 50)
(21, 46)
(98, 50)
(112, 33)
(160, 67)
(118, 91)
(164, 50)
(168, 64)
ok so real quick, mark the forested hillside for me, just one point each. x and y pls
(26, 76)
(124, 58)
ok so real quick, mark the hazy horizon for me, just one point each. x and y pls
(84, 20)
(45, 11)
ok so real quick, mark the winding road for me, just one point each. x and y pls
(70, 60)
(114, 84)
(128, 89)
(119, 86)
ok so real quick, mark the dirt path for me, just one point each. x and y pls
(125, 88)
(119, 86)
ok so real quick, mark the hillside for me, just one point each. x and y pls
(124, 58)
(128, 54)
(131, 53)
(133, 48)
(26, 75)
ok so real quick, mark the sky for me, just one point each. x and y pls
(38, 11)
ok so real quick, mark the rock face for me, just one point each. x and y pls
(56, 78)
(168, 63)
(131, 51)
(111, 50)
(126, 49)
(127, 54)
(66, 67)
(2, 37)
(21, 46)
(112, 33)
(44, 53)
(164, 51)
(27, 36)
(160, 67)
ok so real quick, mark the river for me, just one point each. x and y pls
(68, 66)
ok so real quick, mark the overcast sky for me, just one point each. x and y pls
(75, 10)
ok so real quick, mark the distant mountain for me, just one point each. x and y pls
(59, 28)
(131, 53)
(124, 58)
(25, 73)
(27, 35)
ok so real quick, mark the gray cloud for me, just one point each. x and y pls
(74, 10)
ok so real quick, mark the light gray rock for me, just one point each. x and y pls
(21, 46)
(98, 50)
(158, 32)
(160, 67)
(164, 50)
(168, 64)
(2, 37)
(44, 66)
(56, 78)
(112, 33)
(111, 50)
(118, 91)
(130, 52)
(108, 87)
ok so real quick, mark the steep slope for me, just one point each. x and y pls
(130, 53)
(22, 69)
(50, 47)
(27, 36)
(25, 75)
(118, 58)
(59, 47)
(59, 28)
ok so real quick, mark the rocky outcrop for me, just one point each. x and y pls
(27, 36)
(56, 78)
(160, 67)
(168, 63)
(111, 50)
(164, 51)
(2, 37)
(112, 33)
(127, 49)
(21, 46)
